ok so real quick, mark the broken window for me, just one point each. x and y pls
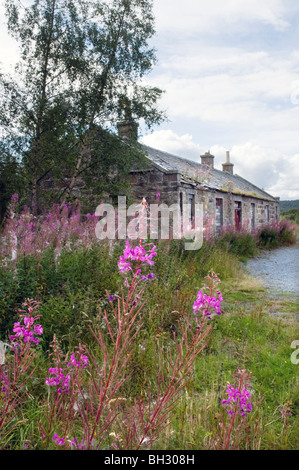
(219, 214)
(252, 215)
(267, 213)
(191, 206)
(238, 215)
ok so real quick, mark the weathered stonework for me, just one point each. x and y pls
(228, 200)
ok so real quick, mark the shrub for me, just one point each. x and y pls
(240, 243)
(286, 233)
(274, 235)
(268, 238)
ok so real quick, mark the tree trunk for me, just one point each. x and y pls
(38, 131)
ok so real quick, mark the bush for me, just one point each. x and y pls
(273, 236)
(268, 238)
(241, 243)
(286, 233)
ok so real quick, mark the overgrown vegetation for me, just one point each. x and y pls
(292, 215)
(247, 244)
(75, 279)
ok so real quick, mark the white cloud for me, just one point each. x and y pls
(203, 86)
(257, 164)
(249, 96)
(286, 185)
(265, 167)
(170, 142)
(209, 17)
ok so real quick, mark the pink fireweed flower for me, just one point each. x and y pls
(24, 332)
(59, 441)
(139, 253)
(28, 321)
(78, 445)
(207, 304)
(124, 266)
(149, 276)
(241, 397)
(38, 329)
(60, 380)
(141, 256)
(80, 363)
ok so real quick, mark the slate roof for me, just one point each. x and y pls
(195, 173)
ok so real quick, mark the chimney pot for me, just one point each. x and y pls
(228, 166)
(207, 159)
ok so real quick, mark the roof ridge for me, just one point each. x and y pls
(220, 177)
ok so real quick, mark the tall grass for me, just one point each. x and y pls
(131, 360)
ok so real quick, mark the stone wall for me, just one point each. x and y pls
(173, 190)
(148, 184)
(254, 212)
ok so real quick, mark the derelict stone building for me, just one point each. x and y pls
(228, 199)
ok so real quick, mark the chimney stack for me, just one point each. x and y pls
(128, 130)
(207, 159)
(228, 166)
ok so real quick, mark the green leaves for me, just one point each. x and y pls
(78, 61)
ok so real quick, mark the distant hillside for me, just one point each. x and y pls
(287, 205)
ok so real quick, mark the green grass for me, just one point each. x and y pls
(246, 336)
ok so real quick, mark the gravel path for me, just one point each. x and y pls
(278, 269)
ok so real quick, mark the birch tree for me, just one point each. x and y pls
(81, 70)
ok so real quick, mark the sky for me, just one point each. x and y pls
(230, 74)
